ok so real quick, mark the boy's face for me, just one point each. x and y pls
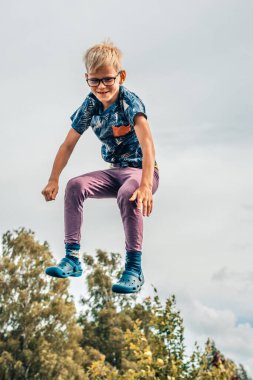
(106, 94)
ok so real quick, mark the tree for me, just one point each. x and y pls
(141, 340)
(242, 374)
(39, 336)
(114, 338)
(103, 318)
(213, 365)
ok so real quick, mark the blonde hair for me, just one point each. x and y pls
(102, 54)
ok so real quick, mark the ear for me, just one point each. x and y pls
(122, 77)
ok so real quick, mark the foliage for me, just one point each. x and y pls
(38, 330)
(115, 337)
(142, 340)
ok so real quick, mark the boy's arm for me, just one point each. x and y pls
(61, 159)
(144, 192)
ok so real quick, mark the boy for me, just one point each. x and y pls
(118, 118)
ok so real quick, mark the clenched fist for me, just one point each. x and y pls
(50, 191)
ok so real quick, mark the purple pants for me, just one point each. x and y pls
(117, 183)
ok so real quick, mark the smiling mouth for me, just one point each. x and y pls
(103, 92)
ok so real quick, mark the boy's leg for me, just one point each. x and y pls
(131, 216)
(132, 278)
(97, 184)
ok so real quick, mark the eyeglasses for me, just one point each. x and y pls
(107, 81)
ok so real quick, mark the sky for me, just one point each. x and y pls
(191, 64)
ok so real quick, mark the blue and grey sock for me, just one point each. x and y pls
(72, 252)
(133, 261)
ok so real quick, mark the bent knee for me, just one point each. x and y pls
(74, 184)
(79, 185)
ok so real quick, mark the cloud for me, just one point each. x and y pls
(248, 207)
(233, 339)
(224, 275)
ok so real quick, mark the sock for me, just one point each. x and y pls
(72, 251)
(133, 261)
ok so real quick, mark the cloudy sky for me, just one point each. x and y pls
(191, 63)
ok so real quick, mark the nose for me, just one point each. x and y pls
(101, 85)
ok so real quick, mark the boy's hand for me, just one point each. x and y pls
(50, 191)
(144, 199)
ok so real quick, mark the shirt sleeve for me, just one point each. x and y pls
(134, 106)
(81, 118)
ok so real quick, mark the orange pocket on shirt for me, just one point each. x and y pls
(122, 130)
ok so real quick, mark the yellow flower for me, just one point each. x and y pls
(148, 354)
(160, 362)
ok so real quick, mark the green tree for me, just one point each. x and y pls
(103, 319)
(109, 323)
(39, 336)
(211, 364)
(141, 340)
(242, 374)
(116, 337)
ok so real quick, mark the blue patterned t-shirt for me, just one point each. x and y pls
(114, 127)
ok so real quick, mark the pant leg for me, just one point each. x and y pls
(131, 216)
(97, 184)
